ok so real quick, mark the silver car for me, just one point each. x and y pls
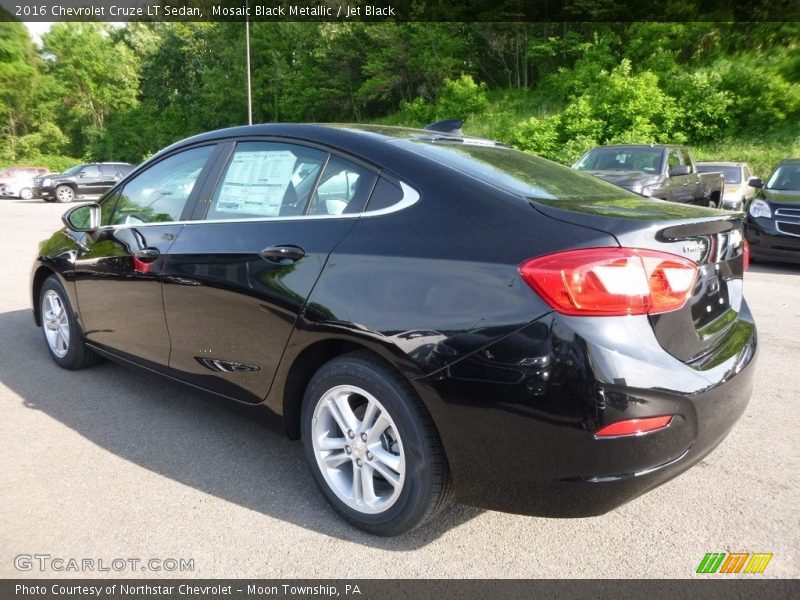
(737, 174)
(17, 182)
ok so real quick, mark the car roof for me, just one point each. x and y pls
(788, 161)
(331, 133)
(721, 163)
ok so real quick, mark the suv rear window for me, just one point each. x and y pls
(516, 172)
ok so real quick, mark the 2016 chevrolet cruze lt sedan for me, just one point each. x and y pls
(435, 316)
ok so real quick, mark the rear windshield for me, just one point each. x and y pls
(732, 174)
(517, 172)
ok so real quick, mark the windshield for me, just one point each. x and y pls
(731, 174)
(72, 170)
(647, 160)
(785, 177)
(516, 172)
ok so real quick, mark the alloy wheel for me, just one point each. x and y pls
(358, 449)
(56, 323)
(65, 194)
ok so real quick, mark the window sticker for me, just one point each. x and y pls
(256, 183)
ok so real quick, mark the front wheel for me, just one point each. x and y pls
(64, 193)
(372, 446)
(60, 328)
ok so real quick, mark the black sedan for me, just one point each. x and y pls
(773, 216)
(436, 317)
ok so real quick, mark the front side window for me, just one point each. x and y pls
(267, 179)
(160, 193)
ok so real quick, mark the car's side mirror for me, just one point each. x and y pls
(755, 182)
(680, 170)
(85, 217)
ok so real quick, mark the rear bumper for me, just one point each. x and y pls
(767, 243)
(521, 438)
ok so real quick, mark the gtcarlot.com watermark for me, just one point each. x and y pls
(47, 562)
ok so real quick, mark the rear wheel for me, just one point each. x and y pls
(372, 447)
(25, 194)
(64, 193)
(60, 328)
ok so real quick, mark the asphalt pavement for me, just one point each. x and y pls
(111, 463)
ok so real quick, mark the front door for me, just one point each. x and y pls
(235, 283)
(118, 268)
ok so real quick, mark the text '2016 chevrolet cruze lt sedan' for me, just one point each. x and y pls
(436, 317)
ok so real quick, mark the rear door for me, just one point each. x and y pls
(235, 282)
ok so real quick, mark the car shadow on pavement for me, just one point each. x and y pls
(236, 453)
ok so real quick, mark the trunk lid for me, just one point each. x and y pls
(711, 238)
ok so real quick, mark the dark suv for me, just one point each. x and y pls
(90, 179)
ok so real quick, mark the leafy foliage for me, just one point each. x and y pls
(554, 89)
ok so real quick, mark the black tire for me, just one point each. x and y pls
(427, 487)
(78, 355)
(65, 193)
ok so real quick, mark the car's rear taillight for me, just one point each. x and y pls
(611, 281)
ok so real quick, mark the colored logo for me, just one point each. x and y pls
(734, 562)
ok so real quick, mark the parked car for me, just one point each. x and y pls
(88, 179)
(17, 182)
(773, 217)
(737, 189)
(666, 172)
(460, 320)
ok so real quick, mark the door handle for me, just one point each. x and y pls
(148, 255)
(284, 254)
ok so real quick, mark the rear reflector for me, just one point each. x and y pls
(633, 426)
(611, 281)
(746, 255)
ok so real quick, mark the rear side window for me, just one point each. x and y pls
(267, 179)
(343, 189)
(386, 194)
(687, 160)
